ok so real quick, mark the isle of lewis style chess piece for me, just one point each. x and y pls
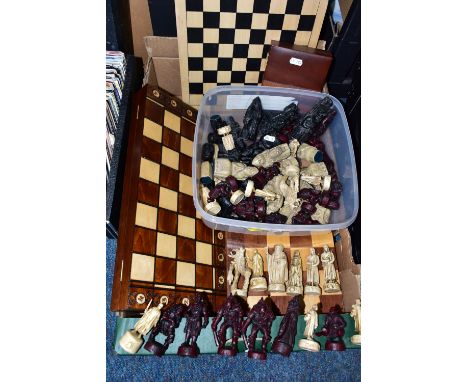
(197, 318)
(313, 281)
(233, 313)
(284, 341)
(132, 340)
(311, 319)
(261, 318)
(356, 314)
(331, 281)
(257, 282)
(333, 329)
(295, 275)
(169, 322)
(239, 267)
(277, 269)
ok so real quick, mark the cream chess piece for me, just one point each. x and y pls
(132, 340)
(238, 267)
(241, 171)
(270, 156)
(309, 153)
(292, 205)
(228, 140)
(311, 319)
(331, 280)
(356, 314)
(277, 269)
(321, 214)
(290, 165)
(257, 282)
(313, 278)
(295, 286)
(222, 168)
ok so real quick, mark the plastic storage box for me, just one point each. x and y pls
(234, 100)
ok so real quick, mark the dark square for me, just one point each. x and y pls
(195, 88)
(185, 165)
(261, 6)
(228, 5)
(257, 36)
(185, 249)
(294, 7)
(253, 64)
(241, 51)
(165, 271)
(210, 50)
(195, 63)
(202, 232)
(148, 192)
(224, 63)
(154, 112)
(171, 139)
(203, 276)
(167, 221)
(306, 23)
(209, 76)
(194, 5)
(237, 77)
(226, 35)
(243, 20)
(301, 241)
(288, 36)
(195, 35)
(275, 21)
(186, 206)
(169, 178)
(151, 149)
(144, 241)
(223, 83)
(187, 128)
(266, 50)
(210, 19)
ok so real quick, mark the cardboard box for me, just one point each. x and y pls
(141, 26)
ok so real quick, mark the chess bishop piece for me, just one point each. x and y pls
(331, 282)
(311, 319)
(356, 314)
(258, 282)
(132, 340)
(238, 267)
(295, 275)
(313, 281)
(284, 341)
(334, 330)
(277, 269)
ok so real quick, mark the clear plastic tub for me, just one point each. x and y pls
(234, 100)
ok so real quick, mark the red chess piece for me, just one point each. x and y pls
(333, 329)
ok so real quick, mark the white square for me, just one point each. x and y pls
(185, 274)
(210, 35)
(239, 64)
(279, 6)
(166, 245)
(242, 36)
(290, 22)
(210, 63)
(259, 21)
(203, 253)
(227, 20)
(195, 49)
(194, 19)
(142, 267)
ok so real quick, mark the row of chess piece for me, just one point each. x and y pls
(279, 278)
(232, 313)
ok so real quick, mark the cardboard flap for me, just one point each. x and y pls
(161, 46)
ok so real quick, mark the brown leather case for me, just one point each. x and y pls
(296, 66)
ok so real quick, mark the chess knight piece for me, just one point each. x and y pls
(356, 314)
(257, 282)
(313, 280)
(311, 319)
(333, 329)
(284, 341)
(295, 275)
(239, 267)
(233, 313)
(132, 340)
(277, 269)
(197, 318)
(331, 282)
(169, 322)
(261, 318)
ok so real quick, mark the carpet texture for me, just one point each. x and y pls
(300, 366)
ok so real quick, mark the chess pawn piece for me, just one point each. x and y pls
(284, 341)
(356, 314)
(277, 269)
(258, 282)
(311, 319)
(333, 329)
(313, 280)
(228, 140)
(295, 275)
(132, 340)
(331, 281)
(237, 267)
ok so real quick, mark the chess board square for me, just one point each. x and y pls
(195, 63)
(209, 76)
(150, 149)
(263, 65)
(204, 253)
(266, 50)
(167, 199)
(195, 99)
(202, 232)
(194, 5)
(152, 130)
(154, 112)
(195, 35)
(238, 77)
(210, 35)
(261, 7)
(294, 7)
(170, 158)
(257, 36)
(165, 271)
(253, 64)
(310, 7)
(185, 165)
(243, 20)
(186, 206)
(172, 121)
(272, 240)
(208, 86)
(319, 239)
(239, 64)
(194, 19)
(226, 35)
(226, 50)
(186, 226)
(149, 170)
(272, 35)
(204, 276)
(228, 5)
(144, 240)
(146, 216)
(302, 38)
(167, 221)
(288, 36)
(275, 21)
(196, 88)
(185, 249)
(210, 63)
(169, 178)
(245, 6)
(251, 77)
(260, 21)
(187, 128)
(291, 22)
(148, 192)
(195, 50)
(242, 36)
(278, 6)
(210, 50)
(255, 51)
(185, 274)
(196, 75)
(241, 50)
(185, 184)
(142, 267)
(224, 76)
(186, 146)
(304, 241)
(166, 246)
(211, 19)
(306, 23)
(224, 64)
(171, 139)
(212, 5)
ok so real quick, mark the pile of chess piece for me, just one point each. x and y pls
(274, 169)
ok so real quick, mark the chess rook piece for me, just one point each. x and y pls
(295, 275)
(196, 319)
(313, 280)
(261, 318)
(232, 312)
(277, 269)
(238, 267)
(333, 329)
(169, 322)
(227, 138)
(356, 314)
(311, 319)
(257, 282)
(331, 282)
(132, 340)
(284, 341)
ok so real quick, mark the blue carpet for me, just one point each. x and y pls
(300, 366)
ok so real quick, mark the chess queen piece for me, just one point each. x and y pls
(196, 319)
(331, 282)
(284, 341)
(261, 318)
(132, 340)
(258, 282)
(238, 267)
(333, 329)
(295, 275)
(232, 312)
(169, 322)
(311, 319)
(313, 280)
(277, 269)
(356, 314)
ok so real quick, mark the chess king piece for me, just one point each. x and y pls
(295, 275)
(238, 267)
(284, 341)
(257, 282)
(313, 280)
(277, 269)
(197, 318)
(311, 319)
(356, 314)
(331, 282)
(333, 329)
(233, 313)
(169, 322)
(132, 340)
(261, 318)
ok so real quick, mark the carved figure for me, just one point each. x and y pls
(257, 282)
(356, 314)
(311, 319)
(313, 279)
(333, 329)
(277, 269)
(238, 267)
(268, 157)
(295, 275)
(331, 280)
(284, 341)
(241, 171)
(290, 165)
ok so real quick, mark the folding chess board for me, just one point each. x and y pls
(224, 42)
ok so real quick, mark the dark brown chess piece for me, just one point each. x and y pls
(333, 329)
(233, 313)
(197, 318)
(284, 341)
(261, 318)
